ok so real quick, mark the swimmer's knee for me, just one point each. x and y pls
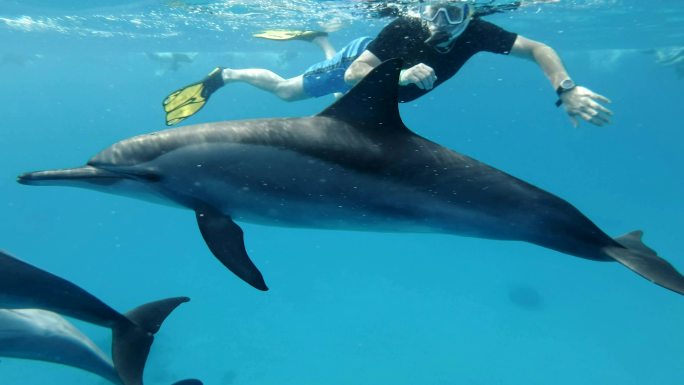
(290, 93)
(287, 96)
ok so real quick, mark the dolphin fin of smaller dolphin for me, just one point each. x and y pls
(225, 240)
(189, 381)
(131, 341)
(645, 261)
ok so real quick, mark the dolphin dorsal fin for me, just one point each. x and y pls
(372, 103)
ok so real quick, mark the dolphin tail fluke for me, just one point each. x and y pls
(132, 340)
(645, 261)
(68, 177)
(225, 240)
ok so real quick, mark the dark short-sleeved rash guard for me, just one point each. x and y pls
(405, 38)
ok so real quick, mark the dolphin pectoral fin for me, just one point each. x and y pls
(225, 240)
(644, 261)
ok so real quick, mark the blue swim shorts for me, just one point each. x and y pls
(327, 77)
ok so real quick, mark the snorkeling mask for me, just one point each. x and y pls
(454, 20)
(454, 12)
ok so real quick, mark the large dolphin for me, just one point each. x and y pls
(36, 334)
(354, 166)
(24, 286)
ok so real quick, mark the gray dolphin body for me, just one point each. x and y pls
(353, 166)
(36, 334)
(24, 286)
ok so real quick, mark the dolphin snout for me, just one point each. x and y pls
(68, 176)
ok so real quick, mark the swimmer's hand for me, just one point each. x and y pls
(422, 75)
(583, 102)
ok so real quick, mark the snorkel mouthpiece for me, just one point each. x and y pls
(437, 38)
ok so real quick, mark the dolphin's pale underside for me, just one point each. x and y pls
(36, 334)
(354, 166)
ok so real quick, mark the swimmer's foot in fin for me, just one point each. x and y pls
(285, 34)
(186, 101)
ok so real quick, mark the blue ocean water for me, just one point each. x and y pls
(354, 307)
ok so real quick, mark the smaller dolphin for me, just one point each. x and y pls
(671, 57)
(42, 335)
(23, 286)
(171, 61)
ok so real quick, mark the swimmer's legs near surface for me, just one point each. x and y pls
(324, 44)
(286, 89)
(188, 100)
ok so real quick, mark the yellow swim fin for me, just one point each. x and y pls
(186, 101)
(286, 34)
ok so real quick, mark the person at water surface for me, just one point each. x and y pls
(433, 46)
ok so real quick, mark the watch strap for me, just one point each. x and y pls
(560, 90)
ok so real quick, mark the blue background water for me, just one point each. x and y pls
(354, 307)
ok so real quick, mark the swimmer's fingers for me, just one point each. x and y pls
(426, 76)
(600, 116)
(599, 107)
(422, 75)
(594, 117)
(598, 97)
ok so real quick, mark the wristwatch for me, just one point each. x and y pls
(564, 86)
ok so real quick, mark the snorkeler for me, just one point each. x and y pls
(433, 47)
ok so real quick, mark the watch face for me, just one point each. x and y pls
(567, 84)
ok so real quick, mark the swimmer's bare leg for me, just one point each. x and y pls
(324, 44)
(286, 89)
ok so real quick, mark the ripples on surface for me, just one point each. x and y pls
(592, 23)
